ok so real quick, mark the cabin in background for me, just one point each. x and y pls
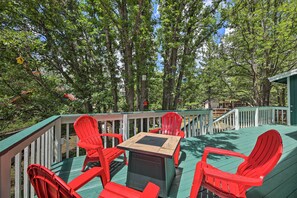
(289, 78)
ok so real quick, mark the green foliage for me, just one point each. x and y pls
(260, 45)
(92, 48)
(74, 45)
(155, 90)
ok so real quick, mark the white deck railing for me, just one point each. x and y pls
(37, 144)
(226, 122)
(244, 117)
(53, 140)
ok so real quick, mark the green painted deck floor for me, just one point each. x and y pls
(281, 182)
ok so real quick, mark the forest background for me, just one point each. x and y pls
(97, 56)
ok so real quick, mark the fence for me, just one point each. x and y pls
(243, 117)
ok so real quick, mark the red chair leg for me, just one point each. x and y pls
(176, 155)
(197, 180)
(85, 164)
(125, 158)
(107, 173)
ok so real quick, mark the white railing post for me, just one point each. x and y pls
(288, 116)
(125, 126)
(200, 125)
(257, 117)
(67, 140)
(273, 115)
(17, 176)
(210, 121)
(57, 149)
(5, 164)
(236, 119)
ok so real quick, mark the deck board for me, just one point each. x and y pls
(281, 182)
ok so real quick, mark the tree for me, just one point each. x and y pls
(134, 26)
(262, 43)
(24, 91)
(212, 74)
(185, 25)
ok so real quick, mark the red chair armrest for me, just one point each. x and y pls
(113, 135)
(151, 191)
(86, 177)
(233, 177)
(219, 151)
(156, 130)
(88, 146)
(181, 134)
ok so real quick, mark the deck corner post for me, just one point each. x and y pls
(125, 127)
(257, 117)
(210, 122)
(289, 116)
(236, 119)
(57, 149)
(273, 115)
(5, 185)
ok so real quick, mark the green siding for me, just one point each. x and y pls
(281, 182)
(293, 99)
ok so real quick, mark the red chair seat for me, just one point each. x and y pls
(116, 190)
(110, 154)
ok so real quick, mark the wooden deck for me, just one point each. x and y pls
(281, 182)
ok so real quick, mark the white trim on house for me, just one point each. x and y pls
(289, 101)
(283, 75)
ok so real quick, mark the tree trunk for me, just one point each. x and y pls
(127, 45)
(142, 91)
(266, 92)
(129, 77)
(88, 105)
(181, 71)
(111, 64)
(169, 80)
(139, 89)
(166, 92)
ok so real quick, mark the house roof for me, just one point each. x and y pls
(282, 78)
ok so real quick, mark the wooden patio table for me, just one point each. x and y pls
(151, 160)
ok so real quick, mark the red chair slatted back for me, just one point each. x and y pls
(264, 156)
(86, 127)
(171, 123)
(47, 184)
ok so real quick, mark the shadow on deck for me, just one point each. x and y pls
(281, 182)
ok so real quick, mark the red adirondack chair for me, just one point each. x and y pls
(171, 124)
(47, 184)
(86, 128)
(251, 172)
